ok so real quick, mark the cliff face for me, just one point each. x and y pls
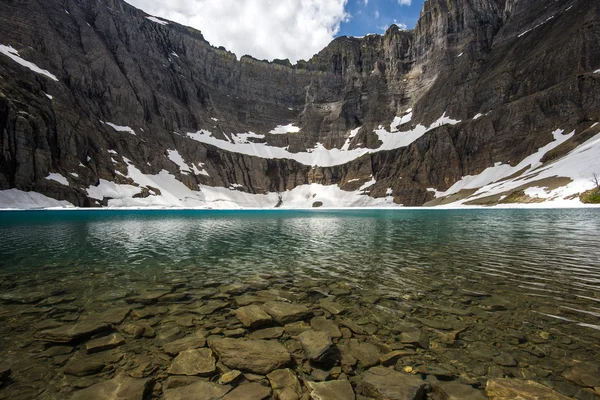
(523, 68)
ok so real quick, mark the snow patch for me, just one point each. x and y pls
(367, 185)
(18, 199)
(283, 129)
(48, 96)
(579, 165)
(56, 177)
(478, 115)
(536, 26)
(157, 20)
(119, 128)
(389, 192)
(460, 55)
(319, 155)
(398, 121)
(177, 159)
(14, 55)
(597, 71)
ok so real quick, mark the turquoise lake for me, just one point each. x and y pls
(492, 275)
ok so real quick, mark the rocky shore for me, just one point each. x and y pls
(281, 337)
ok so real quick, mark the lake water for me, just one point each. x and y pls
(520, 282)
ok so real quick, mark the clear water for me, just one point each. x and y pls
(541, 266)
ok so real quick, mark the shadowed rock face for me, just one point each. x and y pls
(528, 64)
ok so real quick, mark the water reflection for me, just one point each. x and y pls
(548, 255)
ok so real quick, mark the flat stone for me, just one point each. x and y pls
(296, 328)
(234, 289)
(177, 381)
(148, 297)
(168, 335)
(211, 307)
(285, 384)
(57, 351)
(197, 391)
(331, 306)
(509, 389)
(392, 357)
(586, 375)
(437, 371)
(416, 338)
(249, 391)
(23, 298)
(72, 332)
(454, 390)
(385, 383)
(104, 343)
(258, 356)
(267, 333)
(138, 330)
(285, 313)
(230, 377)
(191, 342)
(366, 353)
(353, 326)
(316, 345)
(234, 333)
(48, 324)
(332, 390)
(84, 367)
(113, 316)
(120, 387)
(200, 362)
(505, 359)
(252, 316)
(323, 324)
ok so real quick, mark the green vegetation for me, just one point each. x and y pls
(592, 196)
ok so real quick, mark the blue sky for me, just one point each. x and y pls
(374, 16)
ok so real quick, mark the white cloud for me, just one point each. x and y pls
(366, 2)
(405, 2)
(265, 29)
(376, 14)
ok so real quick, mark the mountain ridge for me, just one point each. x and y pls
(165, 81)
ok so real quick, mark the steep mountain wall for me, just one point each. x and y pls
(523, 68)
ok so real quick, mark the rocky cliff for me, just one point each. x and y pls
(97, 98)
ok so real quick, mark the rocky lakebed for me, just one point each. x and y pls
(281, 336)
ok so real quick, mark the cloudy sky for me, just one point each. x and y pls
(294, 29)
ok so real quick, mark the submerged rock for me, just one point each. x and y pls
(586, 375)
(249, 391)
(199, 362)
(332, 390)
(121, 387)
(71, 333)
(385, 383)
(190, 342)
(285, 313)
(316, 345)
(252, 316)
(84, 367)
(104, 343)
(258, 356)
(509, 389)
(197, 391)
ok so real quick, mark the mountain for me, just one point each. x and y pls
(483, 102)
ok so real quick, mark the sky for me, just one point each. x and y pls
(293, 29)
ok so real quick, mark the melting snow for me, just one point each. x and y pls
(460, 55)
(177, 159)
(58, 178)
(597, 71)
(477, 116)
(119, 128)
(283, 129)
(579, 165)
(14, 55)
(400, 121)
(48, 96)
(319, 155)
(157, 20)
